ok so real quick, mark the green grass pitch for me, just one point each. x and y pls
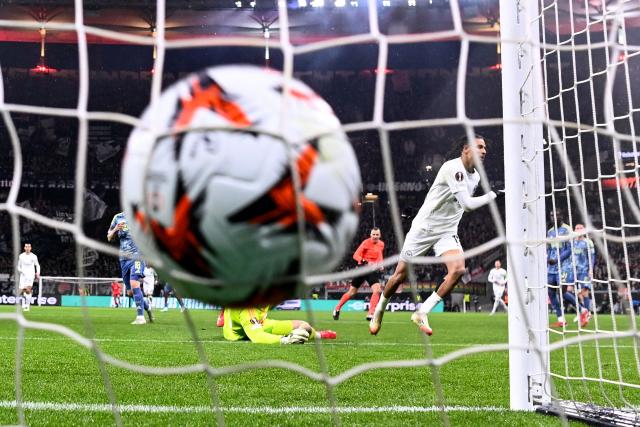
(62, 382)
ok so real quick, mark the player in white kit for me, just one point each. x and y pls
(498, 278)
(436, 226)
(149, 282)
(29, 270)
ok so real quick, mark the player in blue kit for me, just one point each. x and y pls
(584, 256)
(131, 265)
(560, 271)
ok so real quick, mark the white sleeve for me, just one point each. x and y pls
(37, 264)
(469, 203)
(19, 265)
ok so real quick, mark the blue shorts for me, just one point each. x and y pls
(567, 277)
(555, 278)
(131, 270)
(583, 279)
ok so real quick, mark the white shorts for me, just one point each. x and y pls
(419, 241)
(147, 288)
(26, 282)
(498, 290)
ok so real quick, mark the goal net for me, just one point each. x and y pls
(405, 78)
(588, 60)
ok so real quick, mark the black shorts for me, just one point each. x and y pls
(371, 278)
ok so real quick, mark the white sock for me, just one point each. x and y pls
(431, 302)
(561, 319)
(382, 304)
(27, 300)
(24, 300)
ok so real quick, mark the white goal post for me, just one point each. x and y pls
(524, 209)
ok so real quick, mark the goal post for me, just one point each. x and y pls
(524, 205)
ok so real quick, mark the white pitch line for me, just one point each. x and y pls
(327, 343)
(99, 407)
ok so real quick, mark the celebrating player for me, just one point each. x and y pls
(29, 270)
(498, 278)
(436, 226)
(131, 265)
(166, 292)
(149, 283)
(369, 252)
(252, 324)
(584, 256)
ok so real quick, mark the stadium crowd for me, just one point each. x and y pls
(48, 147)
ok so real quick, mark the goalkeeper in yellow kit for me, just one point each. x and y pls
(252, 324)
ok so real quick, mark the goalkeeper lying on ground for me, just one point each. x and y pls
(252, 324)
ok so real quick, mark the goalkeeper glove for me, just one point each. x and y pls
(297, 336)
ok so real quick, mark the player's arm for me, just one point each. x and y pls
(357, 255)
(503, 279)
(491, 277)
(19, 268)
(37, 264)
(253, 329)
(470, 203)
(115, 227)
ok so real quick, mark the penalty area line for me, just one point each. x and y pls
(97, 407)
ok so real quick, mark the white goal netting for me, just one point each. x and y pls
(589, 69)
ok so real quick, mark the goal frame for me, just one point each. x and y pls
(522, 96)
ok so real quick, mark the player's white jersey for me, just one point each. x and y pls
(28, 265)
(440, 210)
(149, 280)
(498, 276)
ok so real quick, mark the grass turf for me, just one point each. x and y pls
(58, 371)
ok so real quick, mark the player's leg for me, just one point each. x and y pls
(376, 290)
(497, 296)
(455, 270)
(26, 297)
(501, 300)
(553, 289)
(166, 291)
(353, 289)
(416, 243)
(313, 334)
(180, 301)
(132, 276)
(220, 321)
(397, 278)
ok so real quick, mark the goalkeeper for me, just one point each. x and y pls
(252, 324)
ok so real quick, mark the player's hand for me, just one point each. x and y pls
(297, 336)
(120, 226)
(498, 191)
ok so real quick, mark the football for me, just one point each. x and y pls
(237, 183)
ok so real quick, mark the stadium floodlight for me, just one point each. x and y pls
(411, 2)
(317, 3)
(340, 3)
(302, 3)
(238, 3)
(252, 4)
(386, 3)
(354, 3)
